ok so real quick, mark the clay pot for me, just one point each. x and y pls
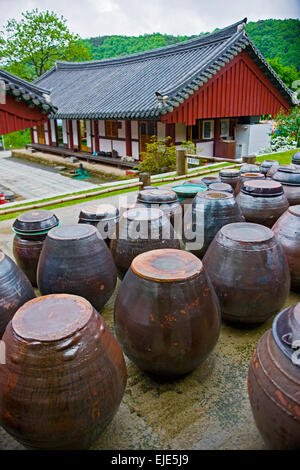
(64, 376)
(229, 176)
(249, 168)
(103, 216)
(210, 211)
(167, 316)
(247, 177)
(141, 230)
(221, 187)
(208, 180)
(266, 165)
(262, 201)
(247, 266)
(287, 231)
(196, 182)
(289, 177)
(272, 170)
(274, 382)
(75, 260)
(15, 290)
(31, 229)
(296, 158)
(163, 199)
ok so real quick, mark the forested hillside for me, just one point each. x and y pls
(274, 38)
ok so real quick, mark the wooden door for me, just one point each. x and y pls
(82, 136)
(41, 134)
(146, 131)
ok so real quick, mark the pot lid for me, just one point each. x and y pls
(221, 187)
(188, 190)
(249, 168)
(253, 175)
(143, 213)
(296, 157)
(157, 196)
(208, 180)
(263, 188)
(214, 195)
(35, 221)
(196, 182)
(96, 212)
(231, 173)
(150, 187)
(288, 174)
(286, 332)
(268, 163)
(247, 232)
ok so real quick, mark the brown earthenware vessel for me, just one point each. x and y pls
(64, 376)
(289, 177)
(221, 187)
(140, 230)
(287, 230)
(75, 260)
(15, 290)
(103, 216)
(247, 177)
(31, 229)
(167, 316)
(274, 382)
(249, 168)
(262, 201)
(247, 265)
(230, 176)
(266, 165)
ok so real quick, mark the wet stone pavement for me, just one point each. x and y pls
(207, 409)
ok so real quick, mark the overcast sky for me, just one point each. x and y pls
(133, 17)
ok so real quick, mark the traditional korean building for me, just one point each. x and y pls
(211, 90)
(23, 105)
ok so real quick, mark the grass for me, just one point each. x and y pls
(284, 158)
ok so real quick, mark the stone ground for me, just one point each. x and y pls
(207, 409)
(31, 182)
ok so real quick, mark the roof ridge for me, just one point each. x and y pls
(18, 80)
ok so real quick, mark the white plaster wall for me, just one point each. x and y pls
(161, 130)
(35, 136)
(180, 132)
(105, 145)
(102, 128)
(46, 133)
(205, 149)
(64, 130)
(135, 150)
(52, 128)
(134, 130)
(75, 133)
(88, 133)
(121, 131)
(120, 147)
(259, 137)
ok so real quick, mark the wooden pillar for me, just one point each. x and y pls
(181, 162)
(217, 136)
(32, 135)
(128, 138)
(49, 133)
(70, 134)
(96, 135)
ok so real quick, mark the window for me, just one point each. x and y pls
(111, 129)
(208, 130)
(224, 128)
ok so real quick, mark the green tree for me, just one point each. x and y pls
(288, 73)
(29, 47)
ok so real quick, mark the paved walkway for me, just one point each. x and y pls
(31, 182)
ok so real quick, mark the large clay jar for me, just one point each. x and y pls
(167, 316)
(140, 230)
(15, 290)
(262, 201)
(31, 229)
(249, 168)
(266, 165)
(75, 260)
(64, 376)
(274, 382)
(103, 216)
(296, 158)
(249, 271)
(287, 230)
(289, 177)
(221, 187)
(229, 176)
(210, 211)
(247, 177)
(163, 199)
(208, 180)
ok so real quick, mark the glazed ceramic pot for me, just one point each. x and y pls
(103, 216)
(221, 187)
(289, 177)
(249, 168)
(262, 201)
(247, 177)
(163, 199)
(167, 316)
(140, 230)
(266, 165)
(296, 158)
(210, 211)
(64, 376)
(15, 290)
(247, 266)
(274, 382)
(287, 231)
(208, 180)
(187, 192)
(272, 170)
(75, 260)
(31, 229)
(229, 176)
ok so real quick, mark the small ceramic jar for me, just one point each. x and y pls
(103, 216)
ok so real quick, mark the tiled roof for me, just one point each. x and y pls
(26, 91)
(126, 87)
